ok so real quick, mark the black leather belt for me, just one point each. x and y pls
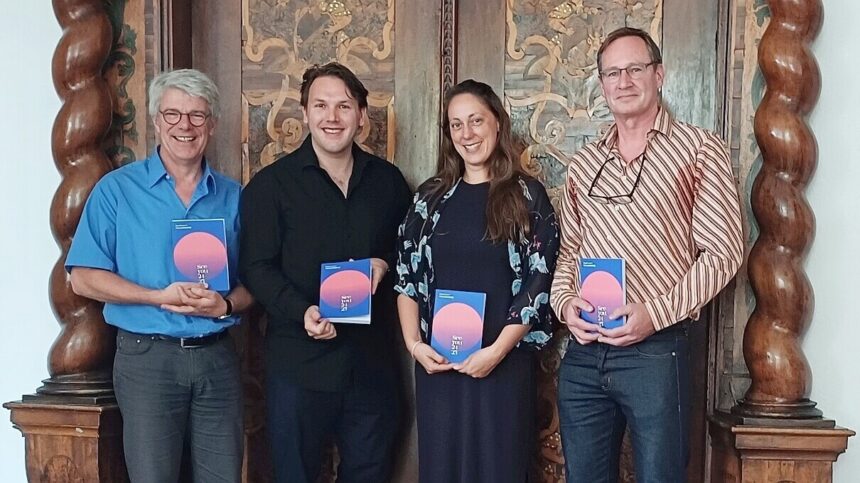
(184, 342)
(193, 342)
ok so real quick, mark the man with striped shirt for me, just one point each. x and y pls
(661, 195)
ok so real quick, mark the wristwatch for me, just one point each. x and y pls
(229, 312)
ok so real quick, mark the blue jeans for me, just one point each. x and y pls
(603, 389)
(168, 396)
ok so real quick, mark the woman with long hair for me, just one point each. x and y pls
(480, 225)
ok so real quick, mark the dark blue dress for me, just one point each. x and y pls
(475, 430)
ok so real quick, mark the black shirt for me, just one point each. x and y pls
(294, 217)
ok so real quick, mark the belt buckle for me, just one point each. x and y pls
(186, 343)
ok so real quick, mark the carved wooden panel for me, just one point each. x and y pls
(71, 443)
(449, 44)
(124, 72)
(551, 85)
(134, 60)
(282, 39)
(753, 453)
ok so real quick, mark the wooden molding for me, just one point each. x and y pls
(71, 443)
(752, 453)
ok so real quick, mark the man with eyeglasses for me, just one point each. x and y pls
(176, 372)
(661, 195)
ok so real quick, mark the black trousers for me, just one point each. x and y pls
(362, 421)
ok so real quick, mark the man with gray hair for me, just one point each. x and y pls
(176, 372)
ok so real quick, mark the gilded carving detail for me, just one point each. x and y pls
(125, 143)
(551, 84)
(283, 38)
(449, 50)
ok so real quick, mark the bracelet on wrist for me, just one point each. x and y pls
(412, 350)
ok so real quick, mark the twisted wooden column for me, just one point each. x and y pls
(80, 359)
(780, 374)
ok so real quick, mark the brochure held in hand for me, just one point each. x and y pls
(345, 291)
(458, 323)
(603, 285)
(200, 253)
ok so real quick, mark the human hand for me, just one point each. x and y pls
(198, 300)
(584, 332)
(637, 328)
(173, 294)
(481, 363)
(318, 327)
(430, 360)
(379, 269)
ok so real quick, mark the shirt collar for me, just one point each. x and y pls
(209, 177)
(662, 124)
(308, 157)
(155, 171)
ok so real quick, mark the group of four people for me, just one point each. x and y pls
(654, 191)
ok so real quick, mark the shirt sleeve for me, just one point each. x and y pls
(94, 243)
(408, 254)
(260, 254)
(566, 278)
(530, 304)
(717, 235)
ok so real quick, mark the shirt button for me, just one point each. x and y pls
(617, 207)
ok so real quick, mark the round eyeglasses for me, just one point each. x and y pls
(195, 118)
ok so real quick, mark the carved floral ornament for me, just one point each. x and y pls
(552, 89)
(319, 32)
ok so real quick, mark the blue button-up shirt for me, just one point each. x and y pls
(126, 228)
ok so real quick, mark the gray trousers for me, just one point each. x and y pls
(169, 396)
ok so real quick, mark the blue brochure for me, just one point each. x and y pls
(345, 291)
(603, 285)
(458, 323)
(200, 253)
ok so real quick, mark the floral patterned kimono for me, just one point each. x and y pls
(531, 259)
(478, 429)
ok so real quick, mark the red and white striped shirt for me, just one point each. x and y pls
(680, 236)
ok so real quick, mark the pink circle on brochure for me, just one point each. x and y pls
(200, 248)
(348, 282)
(602, 289)
(458, 319)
